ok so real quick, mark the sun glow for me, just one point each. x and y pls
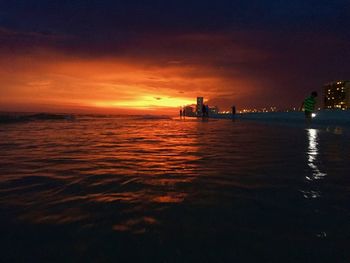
(55, 81)
(146, 102)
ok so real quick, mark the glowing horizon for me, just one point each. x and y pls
(159, 73)
(57, 80)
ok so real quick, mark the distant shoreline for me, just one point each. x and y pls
(326, 117)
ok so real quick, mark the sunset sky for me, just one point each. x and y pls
(134, 56)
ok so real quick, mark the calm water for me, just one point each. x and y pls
(163, 190)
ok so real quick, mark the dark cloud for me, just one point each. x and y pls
(102, 18)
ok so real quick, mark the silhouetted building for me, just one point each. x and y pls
(337, 95)
(199, 105)
(213, 110)
(188, 111)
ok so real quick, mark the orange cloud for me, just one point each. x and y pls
(55, 79)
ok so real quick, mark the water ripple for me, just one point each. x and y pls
(136, 175)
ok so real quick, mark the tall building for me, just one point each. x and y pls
(199, 105)
(337, 95)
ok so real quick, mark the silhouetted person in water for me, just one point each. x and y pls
(207, 110)
(233, 112)
(309, 105)
(204, 111)
(181, 113)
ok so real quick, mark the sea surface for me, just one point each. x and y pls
(159, 189)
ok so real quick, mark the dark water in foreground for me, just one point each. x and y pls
(160, 190)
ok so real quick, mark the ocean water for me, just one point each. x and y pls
(156, 189)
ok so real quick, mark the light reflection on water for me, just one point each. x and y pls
(312, 155)
(96, 161)
(176, 183)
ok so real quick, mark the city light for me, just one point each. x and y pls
(337, 97)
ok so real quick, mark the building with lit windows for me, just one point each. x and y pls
(337, 95)
(213, 110)
(199, 105)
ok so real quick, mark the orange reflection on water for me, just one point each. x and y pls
(67, 216)
(136, 226)
(170, 198)
(127, 165)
